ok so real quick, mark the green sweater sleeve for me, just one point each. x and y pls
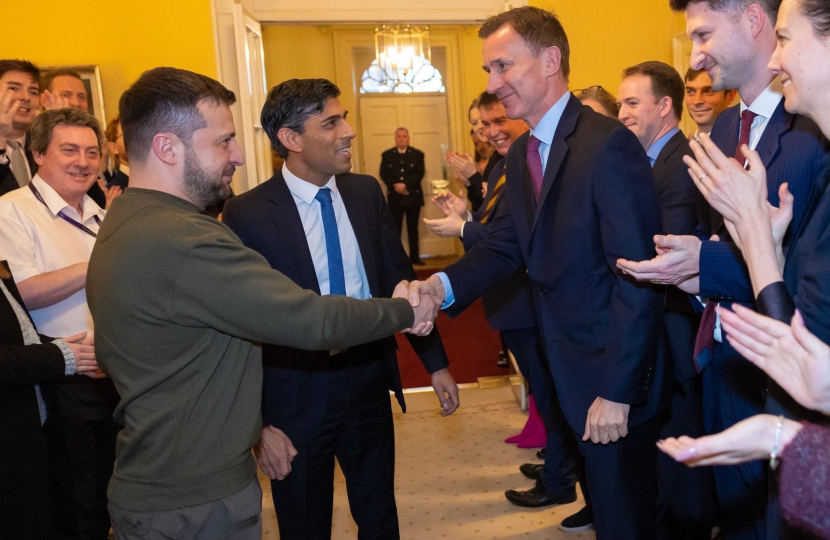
(224, 285)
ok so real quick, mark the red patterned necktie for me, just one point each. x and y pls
(747, 117)
(705, 339)
(534, 163)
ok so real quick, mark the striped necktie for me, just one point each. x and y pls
(18, 164)
(485, 217)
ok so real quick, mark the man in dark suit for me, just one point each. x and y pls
(330, 231)
(402, 169)
(650, 102)
(509, 309)
(580, 191)
(792, 150)
(19, 90)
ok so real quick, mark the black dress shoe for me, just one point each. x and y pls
(418, 262)
(532, 471)
(581, 521)
(541, 454)
(538, 496)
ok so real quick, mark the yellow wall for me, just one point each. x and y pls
(123, 38)
(608, 36)
(282, 62)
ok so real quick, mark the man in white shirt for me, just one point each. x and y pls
(734, 42)
(47, 232)
(19, 88)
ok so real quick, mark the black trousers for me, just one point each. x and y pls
(619, 482)
(412, 214)
(357, 430)
(558, 473)
(80, 437)
(687, 506)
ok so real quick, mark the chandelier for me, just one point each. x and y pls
(402, 62)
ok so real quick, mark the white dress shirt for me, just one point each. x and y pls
(34, 241)
(764, 106)
(357, 286)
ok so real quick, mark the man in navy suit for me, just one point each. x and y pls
(580, 192)
(509, 309)
(734, 42)
(650, 102)
(331, 232)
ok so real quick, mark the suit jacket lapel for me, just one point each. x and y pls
(358, 218)
(289, 226)
(780, 122)
(558, 151)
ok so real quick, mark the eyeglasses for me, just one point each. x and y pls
(590, 90)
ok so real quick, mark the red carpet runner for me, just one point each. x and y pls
(472, 347)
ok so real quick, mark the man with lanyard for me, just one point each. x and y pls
(47, 232)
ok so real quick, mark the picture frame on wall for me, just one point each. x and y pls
(91, 76)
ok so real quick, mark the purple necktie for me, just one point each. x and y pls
(534, 163)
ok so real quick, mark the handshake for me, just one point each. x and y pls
(426, 298)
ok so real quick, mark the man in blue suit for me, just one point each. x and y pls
(330, 231)
(734, 42)
(580, 193)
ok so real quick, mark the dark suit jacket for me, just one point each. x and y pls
(598, 203)
(23, 450)
(508, 305)
(679, 205)
(7, 180)
(793, 150)
(476, 180)
(408, 168)
(266, 219)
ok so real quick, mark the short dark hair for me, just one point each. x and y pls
(166, 100)
(602, 96)
(20, 65)
(47, 121)
(485, 100)
(47, 78)
(665, 81)
(769, 6)
(540, 29)
(818, 11)
(290, 103)
(692, 74)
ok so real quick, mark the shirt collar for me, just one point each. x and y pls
(546, 127)
(306, 190)
(55, 202)
(658, 145)
(766, 103)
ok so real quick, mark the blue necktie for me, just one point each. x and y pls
(337, 279)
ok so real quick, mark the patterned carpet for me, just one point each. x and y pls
(451, 475)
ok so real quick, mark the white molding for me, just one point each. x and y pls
(362, 11)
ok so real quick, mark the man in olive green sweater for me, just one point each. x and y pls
(177, 301)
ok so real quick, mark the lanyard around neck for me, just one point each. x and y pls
(64, 217)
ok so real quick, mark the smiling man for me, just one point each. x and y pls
(580, 192)
(179, 303)
(47, 233)
(703, 102)
(733, 41)
(19, 90)
(331, 232)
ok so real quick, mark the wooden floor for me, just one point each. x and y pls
(451, 475)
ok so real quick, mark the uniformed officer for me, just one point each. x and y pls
(402, 169)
